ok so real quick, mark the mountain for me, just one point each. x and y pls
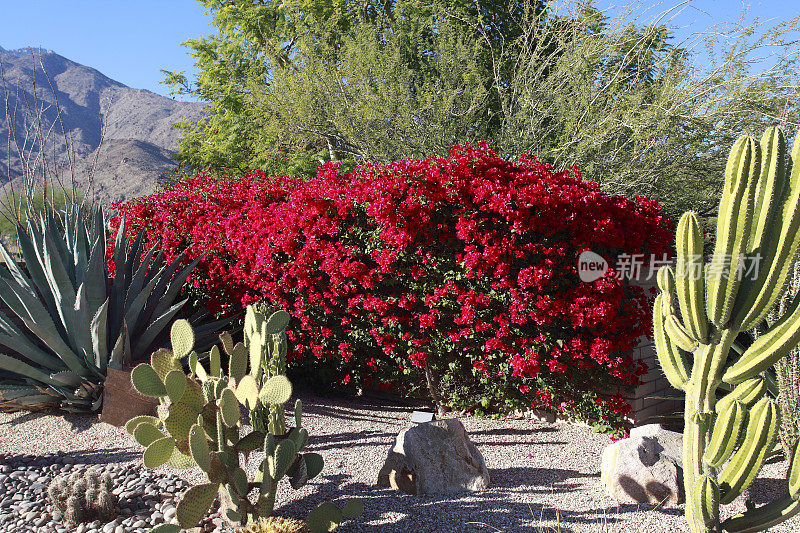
(125, 134)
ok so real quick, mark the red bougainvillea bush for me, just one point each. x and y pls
(454, 274)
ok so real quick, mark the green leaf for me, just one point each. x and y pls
(353, 508)
(198, 445)
(214, 361)
(278, 322)
(196, 503)
(146, 381)
(324, 518)
(277, 390)
(131, 424)
(158, 452)
(175, 383)
(182, 337)
(314, 464)
(147, 432)
(229, 408)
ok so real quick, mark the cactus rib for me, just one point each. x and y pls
(689, 276)
(762, 429)
(733, 230)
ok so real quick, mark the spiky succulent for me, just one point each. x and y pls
(700, 341)
(69, 320)
(276, 524)
(201, 421)
(84, 497)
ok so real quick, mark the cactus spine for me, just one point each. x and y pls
(758, 220)
(200, 422)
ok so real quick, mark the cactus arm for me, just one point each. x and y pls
(672, 360)
(779, 256)
(768, 349)
(733, 230)
(747, 461)
(764, 517)
(699, 412)
(771, 187)
(689, 276)
(679, 335)
(705, 501)
(727, 433)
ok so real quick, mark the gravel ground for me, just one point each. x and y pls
(544, 477)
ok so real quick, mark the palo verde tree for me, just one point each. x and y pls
(299, 82)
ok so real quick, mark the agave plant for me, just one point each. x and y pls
(69, 321)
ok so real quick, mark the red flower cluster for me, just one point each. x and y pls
(465, 266)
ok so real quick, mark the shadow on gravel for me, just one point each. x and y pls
(550, 479)
(350, 414)
(766, 490)
(387, 510)
(351, 440)
(514, 431)
(107, 455)
(27, 416)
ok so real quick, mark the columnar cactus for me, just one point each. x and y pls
(265, 340)
(200, 426)
(726, 440)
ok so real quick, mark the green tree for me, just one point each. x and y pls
(297, 83)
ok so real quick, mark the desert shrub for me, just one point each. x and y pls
(455, 274)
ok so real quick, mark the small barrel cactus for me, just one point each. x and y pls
(82, 497)
(276, 524)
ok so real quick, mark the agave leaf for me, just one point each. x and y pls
(68, 378)
(15, 366)
(16, 272)
(134, 257)
(175, 286)
(117, 303)
(132, 313)
(99, 227)
(153, 329)
(80, 251)
(60, 284)
(96, 278)
(99, 338)
(12, 337)
(34, 265)
(82, 334)
(39, 322)
(53, 232)
(121, 353)
(149, 309)
(137, 280)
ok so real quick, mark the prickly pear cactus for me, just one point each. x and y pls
(200, 425)
(699, 315)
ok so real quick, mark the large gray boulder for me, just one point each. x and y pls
(645, 468)
(434, 457)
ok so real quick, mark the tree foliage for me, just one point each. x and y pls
(299, 82)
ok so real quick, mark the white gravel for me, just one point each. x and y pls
(544, 477)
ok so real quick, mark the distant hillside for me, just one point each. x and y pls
(138, 142)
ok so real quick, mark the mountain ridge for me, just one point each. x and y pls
(134, 126)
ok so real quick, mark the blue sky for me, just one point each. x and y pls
(130, 40)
